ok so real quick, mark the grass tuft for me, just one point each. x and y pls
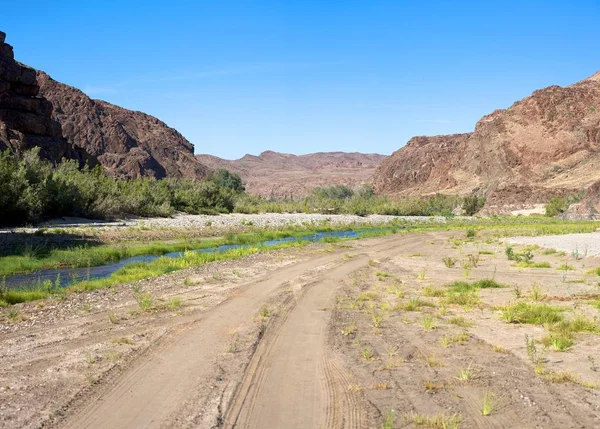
(534, 314)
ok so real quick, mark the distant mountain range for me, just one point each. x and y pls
(546, 145)
(273, 174)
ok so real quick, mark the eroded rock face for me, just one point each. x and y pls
(544, 145)
(25, 117)
(127, 143)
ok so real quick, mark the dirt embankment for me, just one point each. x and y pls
(355, 334)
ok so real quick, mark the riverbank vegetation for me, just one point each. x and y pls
(87, 256)
(31, 189)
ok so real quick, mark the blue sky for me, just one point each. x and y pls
(240, 77)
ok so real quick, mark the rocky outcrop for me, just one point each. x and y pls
(127, 143)
(279, 175)
(25, 117)
(588, 207)
(545, 145)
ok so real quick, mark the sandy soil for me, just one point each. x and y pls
(575, 244)
(302, 338)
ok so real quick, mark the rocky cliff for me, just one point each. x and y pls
(127, 143)
(545, 145)
(25, 116)
(273, 174)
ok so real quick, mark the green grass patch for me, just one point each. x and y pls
(431, 291)
(560, 342)
(565, 267)
(466, 287)
(530, 264)
(534, 314)
(414, 304)
(595, 271)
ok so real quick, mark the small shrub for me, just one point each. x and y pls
(488, 407)
(449, 262)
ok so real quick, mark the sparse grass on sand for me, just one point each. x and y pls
(437, 421)
(535, 314)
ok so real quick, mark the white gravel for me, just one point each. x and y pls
(277, 220)
(229, 221)
(585, 244)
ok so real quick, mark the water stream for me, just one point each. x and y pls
(71, 275)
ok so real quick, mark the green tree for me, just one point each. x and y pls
(226, 179)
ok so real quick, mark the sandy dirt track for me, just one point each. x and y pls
(281, 340)
(291, 381)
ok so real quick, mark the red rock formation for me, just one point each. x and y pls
(127, 143)
(25, 117)
(273, 174)
(546, 144)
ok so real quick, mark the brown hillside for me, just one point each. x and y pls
(127, 143)
(25, 117)
(546, 144)
(273, 174)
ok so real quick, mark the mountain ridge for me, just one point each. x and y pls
(127, 143)
(545, 145)
(279, 175)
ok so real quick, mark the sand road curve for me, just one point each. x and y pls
(292, 380)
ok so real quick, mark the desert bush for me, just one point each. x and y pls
(557, 206)
(472, 204)
(228, 180)
(31, 189)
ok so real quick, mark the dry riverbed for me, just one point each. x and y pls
(361, 334)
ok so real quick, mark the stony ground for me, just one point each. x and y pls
(229, 221)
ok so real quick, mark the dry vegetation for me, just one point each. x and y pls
(470, 334)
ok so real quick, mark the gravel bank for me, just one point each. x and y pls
(585, 244)
(231, 221)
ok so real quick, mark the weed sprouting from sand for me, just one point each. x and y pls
(123, 340)
(414, 304)
(560, 342)
(437, 421)
(377, 320)
(535, 314)
(536, 292)
(460, 321)
(396, 290)
(500, 349)
(433, 292)
(368, 353)
(349, 330)
(517, 291)
(466, 374)
(145, 302)
(449, 262)
(473, 260)
(113, 318)
(391, 350)
(388, 422)
(488, 407)
(174, 303)
(430, 386)
(428, 322)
